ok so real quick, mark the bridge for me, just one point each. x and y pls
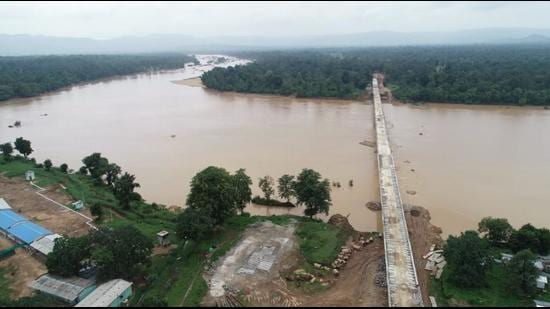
(402, 281)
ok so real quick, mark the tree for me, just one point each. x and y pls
(243, 193)
(64, 168)
(96, 210)
(112, 173)
(153, 301)
(496, 230)
(266, 185)
(83, 170)
(469, 259)
(124, 190)
(194, 224)
(312, 192)
(23, 146)
(285, 187)
(7, 150)
(118, 251)
(522, 273)
(96, 165)
(67, 256)
(48, 164)
(212, 190)
(530, 237)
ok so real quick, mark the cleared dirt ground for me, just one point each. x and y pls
(22, 197)
(23, 269)
(266, 242)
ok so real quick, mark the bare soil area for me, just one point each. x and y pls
(356, 285)
(423, 235)
(22, 197)
(23, 269)
(254, 271)
(193, 82)
(252, 268)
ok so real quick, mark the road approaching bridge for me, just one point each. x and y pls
(403, 288)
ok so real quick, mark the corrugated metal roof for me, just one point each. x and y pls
(4, 204)
(8, 218)
(105, 294)
(28, 231)
(45, 244)
(65, 288)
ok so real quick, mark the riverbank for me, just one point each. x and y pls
(192, 82)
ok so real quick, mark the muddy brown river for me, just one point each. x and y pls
(468, 163)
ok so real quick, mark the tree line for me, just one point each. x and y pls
(216, 195)
(28, 76)
(471, 255)
(483, 74)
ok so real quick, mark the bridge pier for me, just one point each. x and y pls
(402, 281)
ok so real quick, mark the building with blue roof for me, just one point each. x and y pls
(20, 228)
(28, 232)
(8, 218)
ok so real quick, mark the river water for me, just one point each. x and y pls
(470, 162)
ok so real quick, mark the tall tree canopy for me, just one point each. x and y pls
(313, 192)
(33, 75)
(213, 190)
(23, 146)
(486, 74)
(496, 230)
(469, 259)
(243, 193)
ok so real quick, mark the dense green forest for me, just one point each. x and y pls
(487, 74)
(34, 75)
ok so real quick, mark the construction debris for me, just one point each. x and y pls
(436, 262)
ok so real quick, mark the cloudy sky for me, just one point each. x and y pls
(112, 19)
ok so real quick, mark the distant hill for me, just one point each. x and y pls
(39, 45)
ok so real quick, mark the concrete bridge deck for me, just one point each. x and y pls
(403, 287)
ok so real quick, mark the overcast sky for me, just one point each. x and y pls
(112, 19)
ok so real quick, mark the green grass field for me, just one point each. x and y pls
(320, 242)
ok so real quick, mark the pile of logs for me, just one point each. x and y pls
(229, 300)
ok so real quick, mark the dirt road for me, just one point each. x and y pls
(356, 284)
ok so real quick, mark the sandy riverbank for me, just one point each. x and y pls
(192, 82)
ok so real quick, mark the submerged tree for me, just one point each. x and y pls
(312, 192)
(266, 185)
(243, 193)
(285, 184)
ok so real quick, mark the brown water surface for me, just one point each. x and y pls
(469, 163)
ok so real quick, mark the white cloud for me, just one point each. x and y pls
(112, 19)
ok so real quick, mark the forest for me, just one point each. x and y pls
(33, 75)
(476, 74)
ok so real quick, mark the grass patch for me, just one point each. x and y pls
(320, 242)
(494, 294)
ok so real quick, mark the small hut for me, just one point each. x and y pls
(162, 237)
(78, 205)
(29, 175)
